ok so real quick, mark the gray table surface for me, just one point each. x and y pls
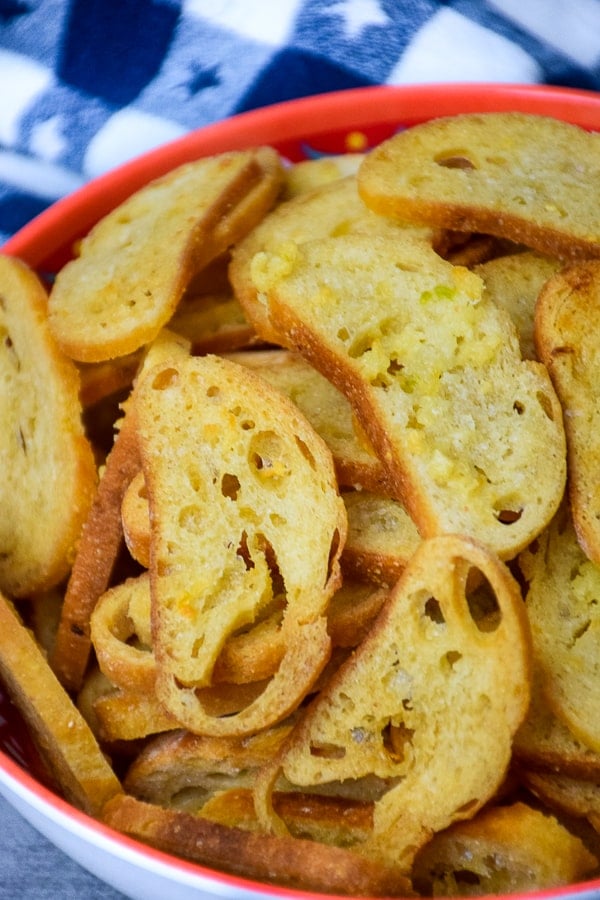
(31, 867)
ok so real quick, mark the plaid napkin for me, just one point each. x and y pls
(87, 84)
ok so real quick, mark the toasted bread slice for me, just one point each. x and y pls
(213, 323)
(514, 282)
(562, 605)
(66, 743)
(566, 337)
(470, 433)
(48, 468)
(327, 410)
(134, 265)
(502, 850)
(381, 537)
(434, 661)
(183, 770)
(230, 465)
(329, 210)
(544, 742)
(578, 798)
(529, 178)
(292, 862)
(309, 174)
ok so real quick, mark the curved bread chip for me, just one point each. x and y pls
(292, 862)
(513, 282)
(531, 179)
(381, 537)
(470, 433)
(503, 850)
(64, 739)
(324, 212)
(231, 467)
(134, 265)
(48, 468)
(309, 174)
(436, 663)
(327, 410)
(566, 323)
(563, 608)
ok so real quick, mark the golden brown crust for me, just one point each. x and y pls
(287, 861)
(101, 539)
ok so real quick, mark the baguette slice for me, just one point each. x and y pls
(136, 262)
(66, 743)
(531, 179)
(292, 862)
(324, 212)
(563, 609)
(245, 514)
(514, 282)
(566, 323)
(503, 850)
(471, 434)
(48, 468)
(328, 411)
(436, 664)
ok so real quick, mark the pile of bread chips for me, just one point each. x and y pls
(303, 580)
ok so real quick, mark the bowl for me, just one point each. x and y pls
(337, 122)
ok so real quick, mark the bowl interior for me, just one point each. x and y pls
(303, 129)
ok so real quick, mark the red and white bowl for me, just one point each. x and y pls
(311, 127)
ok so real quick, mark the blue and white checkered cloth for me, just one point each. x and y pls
(87, 84)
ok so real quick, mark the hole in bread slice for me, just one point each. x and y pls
(454, 159)
(482, 603)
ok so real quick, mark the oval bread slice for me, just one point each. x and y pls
(48, 468)
(566, 332)
(134, 265)
(438, 662)
(531, 179)
(245, 514)
(471, 434)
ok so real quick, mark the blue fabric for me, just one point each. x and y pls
(86, 84)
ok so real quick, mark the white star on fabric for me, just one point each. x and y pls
(47, 139)
(358, 14)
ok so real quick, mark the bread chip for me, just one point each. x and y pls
(327, 410)
(230, 465)
(98, 549)
(566, 337)
(381, 537)
(470, 433)
(324, 212)
(383, 716)
(134, 265)
(529, 178)
(48, 469)
(287, 861)
(309, 174)
(503, 850)
(562, 605)
(65, 741)
(513, 282)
